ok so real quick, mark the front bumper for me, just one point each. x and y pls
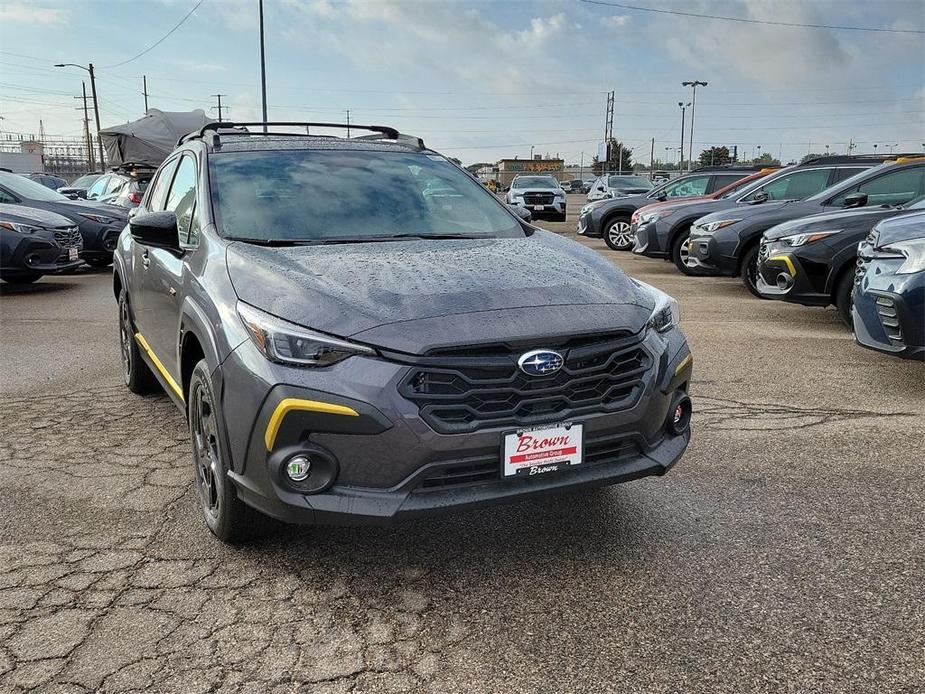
(589, 226)
(714, 253)
(557, 208)
(782, 275)
(888, 309)
(384, 462)
(100, 240)
(651, 240)
(37, 255)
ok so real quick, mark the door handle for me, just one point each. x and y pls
(145, 260)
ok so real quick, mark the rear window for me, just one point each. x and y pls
(324, 195)
(629, 182)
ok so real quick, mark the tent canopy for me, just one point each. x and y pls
(150, 139)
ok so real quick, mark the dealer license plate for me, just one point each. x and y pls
(72, 254)
(547, 449)
(539, 208)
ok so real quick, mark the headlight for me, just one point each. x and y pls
(803, 239)
(666, 314)
(20, 228)
(713, 226)
(655, 215)
(287, 343)
(912, 252)
(99, 218)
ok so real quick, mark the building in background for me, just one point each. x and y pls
(508, 168)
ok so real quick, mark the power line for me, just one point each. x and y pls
(158, 42)
(637, 8)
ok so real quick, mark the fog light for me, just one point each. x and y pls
(298, 467)
(784, 281)
(679, 414)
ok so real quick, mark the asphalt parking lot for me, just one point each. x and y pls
(785, 552)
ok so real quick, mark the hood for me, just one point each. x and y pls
(70, 208)
(863, 217)
(630, 190)
(742, 212)
(413, 296)
(904, 228)
(31, 215)
(670, 204)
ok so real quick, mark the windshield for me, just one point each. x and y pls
(85, 181)
(629, 182)
(326, 195)
(535, 182)
(23, 187)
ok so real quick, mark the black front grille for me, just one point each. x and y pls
(889, 318)
(488, 469)
(539, 198)
(69, 237)
(494, 392)
(763, 252)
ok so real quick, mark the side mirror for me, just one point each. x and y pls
(761, 197)
(521, 212)
(155, 229)
(507, 189)
(856, 200)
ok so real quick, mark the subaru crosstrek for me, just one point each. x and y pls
(379, 354)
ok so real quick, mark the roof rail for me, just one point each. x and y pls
(378, 131)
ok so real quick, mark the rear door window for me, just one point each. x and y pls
(161, 184)
(692, 185)
(723, 180)
(893, 188)
(796, 185)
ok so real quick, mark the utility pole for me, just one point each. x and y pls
(608, 132)
(263, 69)
(652, 156)
(581, 168)
(144, 90)
(348, 126)
(96, 106)
(681, 150)
(219, 107)
(694, 84)
(90, 159)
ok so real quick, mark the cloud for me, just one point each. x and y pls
(615, 22)
(23, 13)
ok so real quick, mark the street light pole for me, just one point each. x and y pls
(263, 69)
(693, 85)
(96, 107)
(681, 150)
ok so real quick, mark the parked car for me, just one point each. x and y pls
(576, 185)
(34, 243)
(727, 242)
(619, 185)
(47, 180)
(357, 355)
(78, 189)
(811, 260)
(610, 219)
(542, 195)
(100, 225)
(124, 187)
(889, 294)
(663, 233)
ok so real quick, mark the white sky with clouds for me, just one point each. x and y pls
(484, 80)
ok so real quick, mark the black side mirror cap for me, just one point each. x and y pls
(761, 197)
(522, 212)
(856, 200)
(155, 229)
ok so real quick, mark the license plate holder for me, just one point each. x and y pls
(72, 254)
(539, 450)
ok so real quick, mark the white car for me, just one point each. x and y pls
(542, 195)
(618, 185)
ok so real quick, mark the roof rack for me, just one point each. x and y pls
(378, 132)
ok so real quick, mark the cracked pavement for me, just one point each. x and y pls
(784, 553)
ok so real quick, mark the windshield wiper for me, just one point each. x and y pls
(398, 237)
(273, 242)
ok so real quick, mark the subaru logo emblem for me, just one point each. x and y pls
(540, 362)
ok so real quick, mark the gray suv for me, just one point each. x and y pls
(394, 343)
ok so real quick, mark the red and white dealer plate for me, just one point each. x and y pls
(537, 451)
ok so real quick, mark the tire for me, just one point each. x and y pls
(22, 279)
(843, 296)
(679, 255)
(98, 262)
(135, 371)
(617, 233)
(227, 517)
(750, 271)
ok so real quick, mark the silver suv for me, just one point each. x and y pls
(542, 195)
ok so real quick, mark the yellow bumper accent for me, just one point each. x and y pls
(789, 263)
(687, 361)
(174, 386)
(291, 404)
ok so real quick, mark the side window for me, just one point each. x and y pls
(6, 198)
(181, 199)
(116, 183)
(98, 188)
(894, 188)
(722, 180)
(795, 186)
(695, 185)
(844, 173)
(159, 192)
